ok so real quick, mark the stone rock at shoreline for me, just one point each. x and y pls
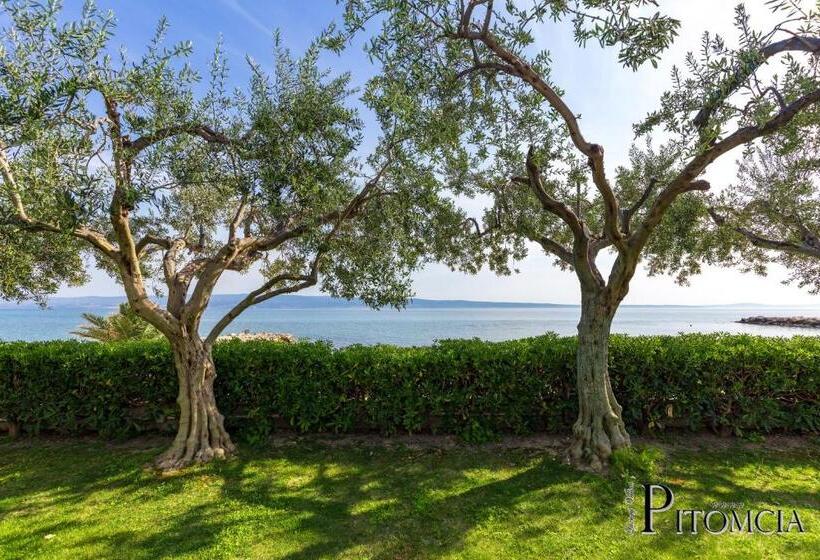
(808, 322)
(246, 336)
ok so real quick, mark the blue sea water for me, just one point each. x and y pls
(345, 323)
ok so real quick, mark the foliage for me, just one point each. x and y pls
(34, 265)
(773, 212)
(123, 325)
(473, 80)
(741, 384)
(770, 213)
(728, 85)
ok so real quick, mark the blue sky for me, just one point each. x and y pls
(609, 99)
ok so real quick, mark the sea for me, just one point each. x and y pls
(422, 322)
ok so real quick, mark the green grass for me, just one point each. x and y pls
(74, 499)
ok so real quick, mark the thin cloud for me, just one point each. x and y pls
(237, 8)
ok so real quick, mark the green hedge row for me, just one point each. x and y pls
(475, 389)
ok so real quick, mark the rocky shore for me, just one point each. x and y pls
(805, 322)
(271, 337)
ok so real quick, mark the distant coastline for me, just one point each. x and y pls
(319, 301)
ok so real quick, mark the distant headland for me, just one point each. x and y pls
(321, 301)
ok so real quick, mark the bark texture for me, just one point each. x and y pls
(599, 429)
(201, 435)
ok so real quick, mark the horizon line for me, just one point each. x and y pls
(518, 303)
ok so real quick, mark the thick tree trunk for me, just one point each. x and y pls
(201, 435)
(599, 429)
(14, 429)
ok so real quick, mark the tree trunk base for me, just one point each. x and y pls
(14, 430)
(174, 459)
(594, 440)
(206, 442)
(201, 436)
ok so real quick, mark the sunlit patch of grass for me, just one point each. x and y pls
(75, 499)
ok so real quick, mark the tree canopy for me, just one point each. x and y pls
(470, 73)
(159, 173)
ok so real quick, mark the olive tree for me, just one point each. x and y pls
(166, 180)
(504, 129)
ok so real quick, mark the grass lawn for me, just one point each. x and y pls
(304, 500)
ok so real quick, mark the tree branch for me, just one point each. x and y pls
(792, 44)
(238, 217)
(487, 66)
(759, 240)
(177, 284)
(554, 248)
(467, 15)
(686, 179)
(128, 261)
(599, 244)
(549, 203)
(151, 239)
(485, 27)
(477, 227)
(203, 131)
(611, 208)
(627, 213)
(266, 292)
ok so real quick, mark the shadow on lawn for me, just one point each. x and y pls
(389, 503)
(412, 508)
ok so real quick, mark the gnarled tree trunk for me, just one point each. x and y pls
(201, 435)
(599, 429)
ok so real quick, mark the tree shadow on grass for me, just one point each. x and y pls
(752, 477)
(733, 478)
(67, 472)
(409, 510)
(304, 502)
(311, 501)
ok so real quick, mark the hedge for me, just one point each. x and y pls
(738, 384)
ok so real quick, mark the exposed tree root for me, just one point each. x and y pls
(595, 437)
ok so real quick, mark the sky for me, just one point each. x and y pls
(609, 99)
